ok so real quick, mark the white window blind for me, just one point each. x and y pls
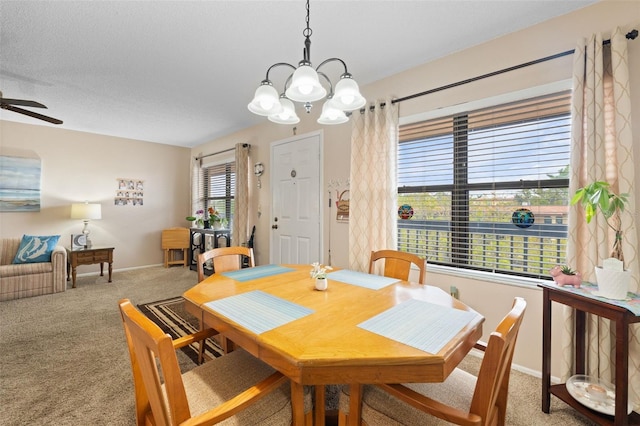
(219, 188)
(465, 176)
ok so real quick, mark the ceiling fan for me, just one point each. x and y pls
(8, 104)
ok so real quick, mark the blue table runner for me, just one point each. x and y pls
(373, 282)
(419, 324)
(248, 274)
(258, 311)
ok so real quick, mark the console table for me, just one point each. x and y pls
(89, 256)
(582, 301)
(199, 243)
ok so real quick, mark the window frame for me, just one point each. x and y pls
(516, 278)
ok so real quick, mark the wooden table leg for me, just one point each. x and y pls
(622, 369)
(319, 407)
(546, 351)
(297, 403)
(110, 270)
(355, 404)
(73, 276)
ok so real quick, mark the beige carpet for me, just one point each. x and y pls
(63, 358)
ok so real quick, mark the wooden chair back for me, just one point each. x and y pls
(146, 343)
(489, 401)
(153, 353)
(490, 395)
(225, 259)
(397, 264)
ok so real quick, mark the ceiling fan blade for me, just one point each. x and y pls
(31, 114)
(22, 102)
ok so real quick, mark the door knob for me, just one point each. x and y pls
(274, 226)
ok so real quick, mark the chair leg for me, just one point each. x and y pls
(166, 258)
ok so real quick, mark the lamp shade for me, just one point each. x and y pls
(287, 115)
(331, 114)
(305, 85)
(86, 211)
(265, 101)
(347, 96)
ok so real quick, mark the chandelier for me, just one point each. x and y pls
(303, 85)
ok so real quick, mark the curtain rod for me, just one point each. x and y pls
(631, 35)
(244, 145)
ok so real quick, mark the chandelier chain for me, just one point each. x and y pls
(307, 31)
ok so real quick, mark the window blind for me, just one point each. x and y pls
(488, 188)
(219, 188)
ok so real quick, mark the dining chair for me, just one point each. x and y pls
(397, 264)
(235, 385)
(225, 259)
(461, 399)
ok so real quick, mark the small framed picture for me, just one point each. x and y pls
(78, 241)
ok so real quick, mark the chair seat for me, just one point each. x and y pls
(379, 408)
(231, 374)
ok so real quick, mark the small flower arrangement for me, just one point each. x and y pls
(198, 218)
(319, 271)
(214, 216)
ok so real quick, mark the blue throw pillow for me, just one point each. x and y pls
(36, 249)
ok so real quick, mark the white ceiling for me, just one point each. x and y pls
(183, 72)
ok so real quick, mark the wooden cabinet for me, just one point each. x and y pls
(89, 256)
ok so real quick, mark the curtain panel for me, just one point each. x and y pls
(373, 183)
(240, 231)
(601, 149)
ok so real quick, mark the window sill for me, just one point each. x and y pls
(530, 283)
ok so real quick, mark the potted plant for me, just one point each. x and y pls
(564, 275)
(613, 280)
(319, 273)
(214, 218)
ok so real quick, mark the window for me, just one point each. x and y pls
(219, 188)
(468, 176)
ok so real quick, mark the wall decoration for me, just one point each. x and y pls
(19, 180)
(523, 218)
(342, 206)
(130, 192)
(78, 241)
(405, 211)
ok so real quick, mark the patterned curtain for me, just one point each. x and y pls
(373, 183)
(601, 150)
(197, 195)
(240, 229)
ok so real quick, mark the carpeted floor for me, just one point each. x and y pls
(64, 359)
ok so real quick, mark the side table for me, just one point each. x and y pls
(583, 302)
(89, 256)
(199, 243)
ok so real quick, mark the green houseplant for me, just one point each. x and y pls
(613, 280)
(598, 196)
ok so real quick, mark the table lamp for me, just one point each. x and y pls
(86, 212)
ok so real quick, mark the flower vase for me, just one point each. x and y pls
(217, 224)
(206, 224)
(322, 284)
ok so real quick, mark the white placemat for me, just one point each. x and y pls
(258, 311)
(374, 282)
(419, 324)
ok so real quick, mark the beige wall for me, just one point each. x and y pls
(80, 166)
(548, 38)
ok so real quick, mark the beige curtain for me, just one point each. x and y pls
(373, 183)
(240, 231)
(601, 150)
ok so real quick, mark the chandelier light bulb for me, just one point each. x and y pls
(287, 115)
(265, 101)
(305, 85)
(347, 96)
(331, 114)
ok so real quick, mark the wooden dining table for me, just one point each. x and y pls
(352, 333)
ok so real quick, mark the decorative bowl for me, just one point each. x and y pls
(594, 393)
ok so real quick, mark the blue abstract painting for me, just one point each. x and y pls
(20, 183)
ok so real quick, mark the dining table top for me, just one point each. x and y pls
(363, 329)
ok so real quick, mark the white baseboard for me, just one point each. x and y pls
(88, 274)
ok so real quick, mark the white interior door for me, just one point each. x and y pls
(295, 211)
